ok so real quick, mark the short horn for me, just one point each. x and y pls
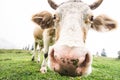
(52, 4)
(96, 4)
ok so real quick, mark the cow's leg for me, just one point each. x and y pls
(46, 41)
(39, 53)
(35, 51)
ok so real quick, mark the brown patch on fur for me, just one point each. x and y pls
(51, 32)
(75, 61)
(63, 60)
(110, 26)
(43, 19)
(96, 24)
(38, 33)
(68, 62)
(84, 34)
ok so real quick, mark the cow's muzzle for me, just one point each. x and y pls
(70, 61)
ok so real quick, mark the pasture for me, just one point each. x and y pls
(17, 65)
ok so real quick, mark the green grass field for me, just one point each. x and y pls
(17, 65)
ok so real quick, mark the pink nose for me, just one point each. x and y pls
(71, 61)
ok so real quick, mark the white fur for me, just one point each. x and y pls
(72, 16)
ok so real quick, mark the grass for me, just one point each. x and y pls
(17, 65)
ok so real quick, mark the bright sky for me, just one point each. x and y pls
(16, 26)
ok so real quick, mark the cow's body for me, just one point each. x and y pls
(42, 37)
(72, 20)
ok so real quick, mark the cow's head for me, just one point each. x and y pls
(73, 19)
(43, 19)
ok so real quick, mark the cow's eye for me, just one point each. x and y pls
(91, 18)
(54, 17)
(88, 18)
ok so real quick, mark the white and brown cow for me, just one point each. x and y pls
(43, 35)
(73, 19)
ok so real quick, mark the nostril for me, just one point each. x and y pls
(86, 61)
(87, 58)
(51, 56)
(52, 53)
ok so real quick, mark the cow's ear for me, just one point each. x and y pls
(103, 23)
(37, 19)
(43, 19)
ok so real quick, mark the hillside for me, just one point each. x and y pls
(17, 65)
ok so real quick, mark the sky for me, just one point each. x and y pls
(16, 27)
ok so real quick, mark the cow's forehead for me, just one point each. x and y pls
(73, 7)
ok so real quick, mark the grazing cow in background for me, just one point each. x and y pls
(43, 37)
(72, 20)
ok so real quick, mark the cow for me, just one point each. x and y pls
(43, 37)
(72, 20)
